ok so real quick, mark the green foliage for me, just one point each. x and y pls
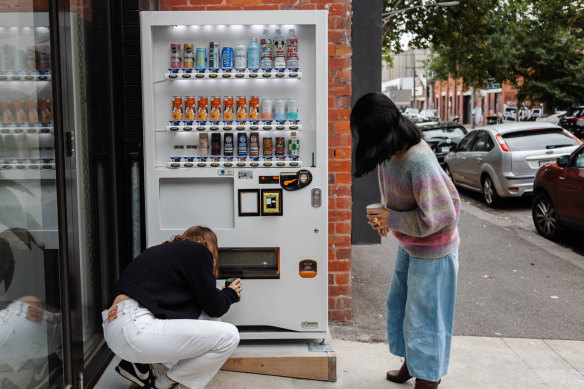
(536, 45)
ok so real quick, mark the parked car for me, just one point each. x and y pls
(553, 118)
(413, 114)
(558, 192)
(501, 160)
(429, 115)
(573, 121)
(442, 137)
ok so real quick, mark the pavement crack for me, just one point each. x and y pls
(562, 358)
(525, 363)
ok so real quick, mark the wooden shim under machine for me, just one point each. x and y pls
(312, 365)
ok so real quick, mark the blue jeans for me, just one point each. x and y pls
(420, 312)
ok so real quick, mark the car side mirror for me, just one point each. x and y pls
(453, 148)
(563, 161)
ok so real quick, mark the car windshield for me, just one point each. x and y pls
(444, 132)
(411, 111)
(579, 112)
(539, 139)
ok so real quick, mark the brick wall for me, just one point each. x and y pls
(339, 105)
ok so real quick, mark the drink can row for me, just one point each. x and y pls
(30, 58)
(279, 109)
(26, 110)
(189, 56)
(214, 55)
(201, 108)
(175, 56)
(247, 145)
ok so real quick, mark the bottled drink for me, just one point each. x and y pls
(240, 57)
(293, 145)
(254, 144)
(292, 49)
(253, 54)
(228, 145)
(280, 109)
(203, 144)
(292, 109)
(266, 51)
(279, 50)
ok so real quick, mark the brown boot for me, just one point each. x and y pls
(399, 376)
(421, 384)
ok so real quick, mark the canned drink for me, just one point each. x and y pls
(177, 108)
(227, 58)
(280, 145)
(188, 56)
(8, 114)
(215, 108)
(228, 145)
(292, 109)
(240, 57)
(20, 109)
(190, 109)
(46, 110)
(268, 148)
(254, 144)
(175, 56)
(203, 108)
(33, 110)
(228, 108)
(213, 55)
(254, 108)
(44, 53)
(241, 108)
(201, 58)
(215, 144)
(267, 107)
(19, 60)
(280, 109)
(203, 144)
(6, 54)
(242, 144)
(30, 58)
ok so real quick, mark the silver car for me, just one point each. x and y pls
(501, 160)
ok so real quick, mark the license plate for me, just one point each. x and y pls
(545, 161)
(445, 149)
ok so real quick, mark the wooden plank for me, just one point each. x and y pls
(321, 366)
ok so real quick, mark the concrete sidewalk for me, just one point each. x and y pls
(476, 362)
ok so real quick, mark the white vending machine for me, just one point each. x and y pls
(235, 139)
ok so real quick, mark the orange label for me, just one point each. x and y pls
(177, 112)
(228, 108)
(216, 108)
(190, 108)
(241, 108)
(254, 108)
(203, 108)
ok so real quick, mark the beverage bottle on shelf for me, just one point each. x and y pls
(292, 49)
(228, 145)
(203, 144)
(279, 51)
(253, 54)
(293, 145)
(266, 51)
(292, 109)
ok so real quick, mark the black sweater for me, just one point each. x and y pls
(176, 281)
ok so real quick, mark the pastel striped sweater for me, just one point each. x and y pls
(425, 204)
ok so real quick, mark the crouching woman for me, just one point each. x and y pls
(163, 311)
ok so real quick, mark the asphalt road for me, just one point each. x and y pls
(512, 282)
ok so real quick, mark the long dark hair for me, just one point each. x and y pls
(379, 131)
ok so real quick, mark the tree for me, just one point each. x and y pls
(536, 45)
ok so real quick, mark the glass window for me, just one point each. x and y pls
(482, 142)
(539, 139)
(444, 132)
(466, 142)
(579, 160)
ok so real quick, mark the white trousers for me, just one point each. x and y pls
(199, 347)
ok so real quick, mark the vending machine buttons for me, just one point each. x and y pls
(307, 268)
(269, 180)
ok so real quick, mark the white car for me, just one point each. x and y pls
(430, 115)
(413, 114)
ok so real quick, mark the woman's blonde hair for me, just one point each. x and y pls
(206, 237)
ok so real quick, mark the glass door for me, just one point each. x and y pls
(31, 314)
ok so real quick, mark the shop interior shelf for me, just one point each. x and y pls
(27, 172)
(221, 75)
(231, 127)
(24, 77)
(26, 129)
(276, 162)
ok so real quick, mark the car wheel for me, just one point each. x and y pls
(489, 192)
(544, 216)
(448, 173)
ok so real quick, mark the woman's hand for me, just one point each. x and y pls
(236, 286)
(378, 220)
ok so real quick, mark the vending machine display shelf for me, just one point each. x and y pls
(24, 129)
(231, 127)
(20, 76)
(278, 163)
(27, 171)
(221, 75)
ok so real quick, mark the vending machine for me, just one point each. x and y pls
(235, 139)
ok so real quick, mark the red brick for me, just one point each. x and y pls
(164, 3)
(331, 50)
(343, 253)
(338, 290)
(224, 8)
(335, 266)
(339, 165)
(343, 101)
(343, 203)
(342, 127)
(243, 2)
(343, 302)
(331, 279)
(339, 153)
(261, 7)
(204, 2)
(343, 76)
(331, 226)
(339, 114)
(340, 9)
(337, 36)
(336, 215)
(339, 63)
(331, 102)
(340, 22)
(343, 228)
(331, 253)
(340, 240)
(340, 190)
(339, 140)
(299, 6)
(339, 89)
(332, 301)
(340, 316)
(343, 178)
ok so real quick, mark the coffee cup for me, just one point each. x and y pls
(373, 207)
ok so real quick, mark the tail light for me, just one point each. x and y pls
(432, 145)
(568, 133)
(504, 146)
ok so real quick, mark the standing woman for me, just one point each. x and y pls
(421, 209)
(162, 312)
